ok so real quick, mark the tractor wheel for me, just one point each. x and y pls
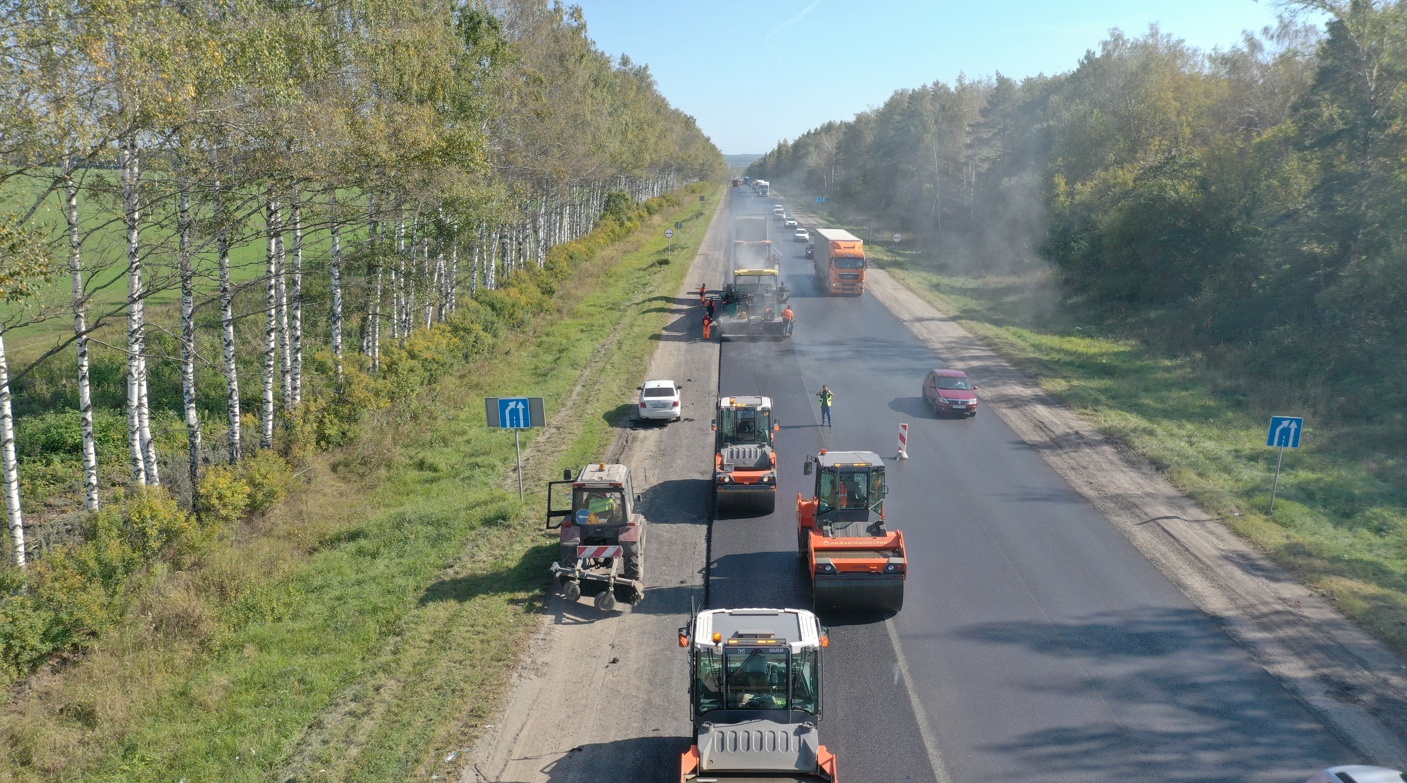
(606, 601)
(572, 591)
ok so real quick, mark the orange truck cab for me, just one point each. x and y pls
(839, 261)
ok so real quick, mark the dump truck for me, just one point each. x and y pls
(752, 305)
(755, 697)
(745, 465)
(602, 539)
(856, 563)
(752, 244)
(839, 261)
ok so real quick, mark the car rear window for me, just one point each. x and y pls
(659, 391)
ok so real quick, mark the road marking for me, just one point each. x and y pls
(930, 738)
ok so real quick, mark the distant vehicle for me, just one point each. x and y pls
(762, 186)
(660, 400)
(839, 261)
(789, 221)
(737, 183)
(810, 249)
(802, 236)
(950, 391)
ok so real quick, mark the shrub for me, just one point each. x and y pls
(268, 477)
(223, 498)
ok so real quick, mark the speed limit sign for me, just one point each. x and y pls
(669, 233)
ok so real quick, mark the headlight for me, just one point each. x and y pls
(825, 567)
(724, 478)
(769, 479)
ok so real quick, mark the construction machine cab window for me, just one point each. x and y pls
(606, 506)
(756, 678)
(850, 490)
(748, 424)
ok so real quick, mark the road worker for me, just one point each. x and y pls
(787, 318)
(707, 327)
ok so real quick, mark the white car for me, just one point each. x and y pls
(801, 235)
(659, 400)
(789, 221)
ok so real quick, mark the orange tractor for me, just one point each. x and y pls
(856, 563)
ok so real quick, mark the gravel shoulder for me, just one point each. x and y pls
(1351, 681)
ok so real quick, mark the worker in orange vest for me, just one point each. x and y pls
(703, 293)
(708, 327)
(787, 317)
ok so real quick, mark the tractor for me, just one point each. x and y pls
(602, 538)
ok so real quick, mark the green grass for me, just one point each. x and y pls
(390, 643)
(1340, 521)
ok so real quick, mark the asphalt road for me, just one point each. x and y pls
(1036, 643)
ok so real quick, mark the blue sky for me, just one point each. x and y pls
(753, 72)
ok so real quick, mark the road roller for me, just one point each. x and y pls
(856, 563)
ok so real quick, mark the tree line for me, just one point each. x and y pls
(1247, 203)
(342, 174)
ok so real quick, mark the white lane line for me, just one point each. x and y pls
(930, 738)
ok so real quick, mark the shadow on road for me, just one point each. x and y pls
(639, 758)
(525, 576)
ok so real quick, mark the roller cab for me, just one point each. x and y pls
(857, 564)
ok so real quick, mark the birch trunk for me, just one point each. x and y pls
(266, 414)
(7, 459)
(281, 286)
(183, 254)
(80, 332)
(227, 327)
(295, 307)
(335, 230)
(130, 214)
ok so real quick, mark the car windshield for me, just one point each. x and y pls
(849, 263)
(659, 391)
(756, 678)
(951, 384)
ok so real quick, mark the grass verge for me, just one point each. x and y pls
(1340, 520)
(370, 623)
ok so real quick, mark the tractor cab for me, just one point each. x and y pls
(599, 497)
(849, 489)
(602, 539)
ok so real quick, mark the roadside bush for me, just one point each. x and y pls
(268, 477)
(223, 498)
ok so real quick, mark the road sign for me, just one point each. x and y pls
(820, 199)
(514, 413)
(897, 237)
(678, 224)
(703, 198)
(669, 233)
(1285, 432)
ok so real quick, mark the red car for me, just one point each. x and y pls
(950, 391)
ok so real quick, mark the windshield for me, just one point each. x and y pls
(849, 490)
(945, 382)
(752, 678)
(603, 507)
(848, 263)
(747, 424)
(659, 391)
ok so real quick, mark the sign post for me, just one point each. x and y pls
(515, 413)
(1284, 434)
(669, 234)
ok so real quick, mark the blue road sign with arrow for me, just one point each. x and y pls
(514, 413)
(1285, 432)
